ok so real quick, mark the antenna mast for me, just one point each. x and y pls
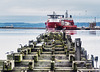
(66, 14)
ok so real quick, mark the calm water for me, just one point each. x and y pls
(11, 38)
(22, 24)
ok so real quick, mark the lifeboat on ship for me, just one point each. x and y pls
(60, 22)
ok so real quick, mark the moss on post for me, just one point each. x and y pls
(46, 39)
(17, 57)
(71, 52)
(10, 57)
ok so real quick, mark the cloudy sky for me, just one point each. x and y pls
(43, 7)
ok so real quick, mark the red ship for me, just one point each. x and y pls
(60, 22)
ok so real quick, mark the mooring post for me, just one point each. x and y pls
(36, 58)
(53, 57)
(53, 50)
(64, 34)
(52, 65)
(92, 58)
(38, 52)
(75, 67)
(30, 66)
(78, 49)
(30, 43)
(85, 54)
(96, 60)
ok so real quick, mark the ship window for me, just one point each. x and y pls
(67, 23)
(54, 17)
(49, 17)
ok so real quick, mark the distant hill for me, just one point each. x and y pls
(17, 24)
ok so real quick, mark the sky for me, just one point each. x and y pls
(88, 8)
(42, 7)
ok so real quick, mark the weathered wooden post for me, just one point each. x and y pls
(31, 43)
(96, 60)
(17, 57)
(52, 65)
(69, 38)
(85, 54)
(31, 65)
(8, 65)
(71, 58)
(38, 52)
(53, 50)
(41, 50)
(29, 50)
(36, 58)
(67, 52)
(78, 49)
(53, 57)
(65, 48)
(92, 58)
(34, 44)
(64, 34)
(74, 67)
(19, 50)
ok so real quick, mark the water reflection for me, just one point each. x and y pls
(71, 32)
(86, 32)
(92, 32)
(68, 32)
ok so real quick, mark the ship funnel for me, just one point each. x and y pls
(66, 14)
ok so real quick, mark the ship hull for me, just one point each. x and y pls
(53, 24)
(74, 27)
(58, 26)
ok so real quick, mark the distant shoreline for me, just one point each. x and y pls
(78, 28)
(22, 28)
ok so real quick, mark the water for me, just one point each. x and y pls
(22, 24)
(11, 38)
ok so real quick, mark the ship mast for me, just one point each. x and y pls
(54, 13)
(95, 19)
(66, 14)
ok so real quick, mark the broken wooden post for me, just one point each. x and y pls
(92, 58)
(78, 49)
